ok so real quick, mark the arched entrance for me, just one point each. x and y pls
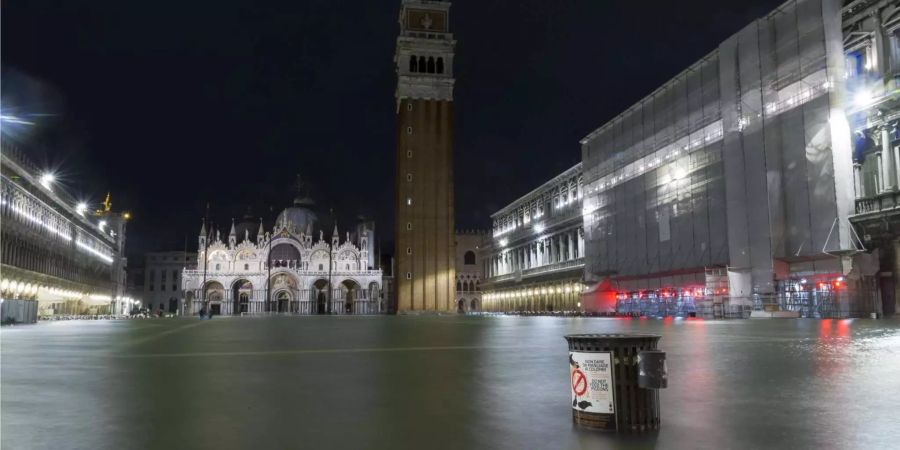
(473, 305)
(240, 295)
(214, 294)
(320, 294)
(350, 290)
(283, 286)
(283, 301)
(461, 306)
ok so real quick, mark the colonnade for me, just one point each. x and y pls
(886, 167)
(567, 245)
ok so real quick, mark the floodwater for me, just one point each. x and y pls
(436, 382)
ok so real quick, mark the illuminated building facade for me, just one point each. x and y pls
(732, 185)
(425, 273)
(535, 258)
(291, 269)
(58, 257)
(872, 47)
(470, 269)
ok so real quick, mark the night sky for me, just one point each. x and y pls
(171, 105)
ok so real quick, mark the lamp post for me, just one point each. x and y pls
(269, 273)
(205, 263)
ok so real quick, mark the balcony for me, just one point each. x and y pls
(881, 203)
(561, 266)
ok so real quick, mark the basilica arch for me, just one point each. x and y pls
(241, 294)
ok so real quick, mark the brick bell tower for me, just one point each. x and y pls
(425, 273)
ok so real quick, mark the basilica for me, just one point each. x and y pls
(291, 269)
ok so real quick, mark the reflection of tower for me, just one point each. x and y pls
(424, 186)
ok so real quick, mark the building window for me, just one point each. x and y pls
(174, 287)
(246, 266)
(347, 267)
(409, 177)
(408, 130)
(469, 258)
(409, 275)
(408, 201)
(218, 266)
(321, 267)
(151, 288)
(409, 153)
(174, 275)
(409, 106)
(409, 250)
(409, 225)
(412, 64)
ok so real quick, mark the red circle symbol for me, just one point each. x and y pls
(579, 383)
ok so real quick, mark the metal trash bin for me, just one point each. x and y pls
(614, 387)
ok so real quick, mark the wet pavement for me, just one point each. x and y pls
(435, 382)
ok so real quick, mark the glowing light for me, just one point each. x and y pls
(102, 225)
(127, 215)
(81, 208)
(862, 98)
(47, 179)
(95, 252)
(15, 119)
(538, 229)
(503, 242)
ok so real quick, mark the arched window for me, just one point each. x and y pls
(458, 286)
(477, 287)
(218, 267)
(440, 65)
(246, 266)
(412, 63)
(469, 258)
(422, 64)
(321, 267)
(347, 266)
(430, 64)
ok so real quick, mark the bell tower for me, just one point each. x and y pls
(425, 271)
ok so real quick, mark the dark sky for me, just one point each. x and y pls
(173, 104)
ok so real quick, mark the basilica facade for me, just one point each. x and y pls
(291, 269)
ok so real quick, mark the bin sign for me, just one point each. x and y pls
(591, 379)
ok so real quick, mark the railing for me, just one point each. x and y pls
(322, 273)
(878, 203)
(549, 220)
(540, 270)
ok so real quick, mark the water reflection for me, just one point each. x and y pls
(435, 382)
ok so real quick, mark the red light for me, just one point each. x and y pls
(838, 284)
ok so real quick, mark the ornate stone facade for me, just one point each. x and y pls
(308, 274)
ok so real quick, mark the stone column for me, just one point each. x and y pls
(857, 180)
(887, 163)
(886, 146)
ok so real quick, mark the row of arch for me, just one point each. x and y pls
(288, 297)
(463, 305)
(467, 286)
(421, 64)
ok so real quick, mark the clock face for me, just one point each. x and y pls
(426, 20)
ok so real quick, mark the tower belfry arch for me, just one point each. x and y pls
(424, 210)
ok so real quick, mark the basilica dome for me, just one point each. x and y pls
(298, 218)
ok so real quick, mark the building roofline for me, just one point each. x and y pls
(514, 203)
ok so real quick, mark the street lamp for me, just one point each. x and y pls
(47, 179)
